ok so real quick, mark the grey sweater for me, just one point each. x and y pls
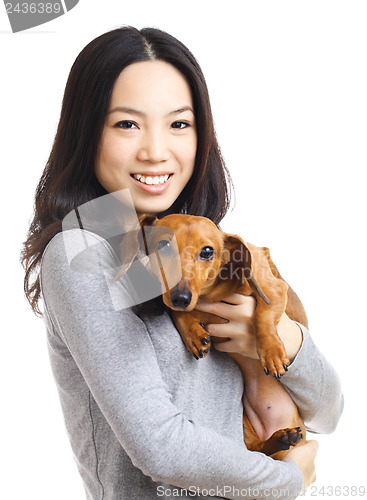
(145, 419)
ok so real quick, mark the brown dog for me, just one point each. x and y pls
(213, 266)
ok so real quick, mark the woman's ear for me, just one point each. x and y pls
(236, 257)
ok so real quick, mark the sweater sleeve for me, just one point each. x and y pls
(116, 358)
(315, 387)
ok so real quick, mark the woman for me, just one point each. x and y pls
(145, 418)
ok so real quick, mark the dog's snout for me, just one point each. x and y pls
(180, 298)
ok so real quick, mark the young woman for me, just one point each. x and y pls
(145, 418)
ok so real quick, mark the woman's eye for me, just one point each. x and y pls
(180, 125)
(206, 253)
(126, 124)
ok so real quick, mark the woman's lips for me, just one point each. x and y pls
(153, 188)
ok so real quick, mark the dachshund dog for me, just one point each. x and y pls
(213, 266)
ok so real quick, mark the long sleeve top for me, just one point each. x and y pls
(145, 419)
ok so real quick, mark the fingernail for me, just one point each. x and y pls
(202, 325)
(285, 367)
(201, 353)
(205, 341)
(266, 371)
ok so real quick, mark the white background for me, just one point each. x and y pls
(288, 84)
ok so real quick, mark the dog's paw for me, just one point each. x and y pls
(273, 358)
(281, 441)
(288, 437)
(198, 341)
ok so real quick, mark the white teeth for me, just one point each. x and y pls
(158, 179)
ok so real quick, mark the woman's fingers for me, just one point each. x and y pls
(233, 307)
(234, 336)
(243, 345)
(238, 311)
(234, 298)
(237, 298)
(222, 330)
(229, 346)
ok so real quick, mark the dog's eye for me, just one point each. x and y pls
(164, 247)
(206, 253)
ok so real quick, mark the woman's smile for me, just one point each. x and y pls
(154, 183)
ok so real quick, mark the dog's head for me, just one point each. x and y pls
(193, 259)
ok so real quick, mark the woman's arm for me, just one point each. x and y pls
(116, 357)
(315, 387)
(311, 381)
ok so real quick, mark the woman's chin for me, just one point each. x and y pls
(151, 208)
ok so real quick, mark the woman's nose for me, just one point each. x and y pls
(153, 147)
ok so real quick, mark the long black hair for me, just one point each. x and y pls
(69, 180)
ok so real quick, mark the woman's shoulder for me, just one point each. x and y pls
(73, 241)
(79, 251)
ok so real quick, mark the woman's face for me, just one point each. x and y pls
(149, 138)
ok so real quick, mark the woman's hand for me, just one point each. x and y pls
(304, 456)
(239, 329)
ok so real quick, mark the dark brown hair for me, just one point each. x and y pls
(69, 180)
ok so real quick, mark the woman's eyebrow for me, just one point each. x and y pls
(133, 111)
(181, 110)
(125, 109)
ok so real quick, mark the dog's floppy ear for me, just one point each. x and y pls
(132, 243)
(236, 256)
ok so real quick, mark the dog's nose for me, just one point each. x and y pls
(180, 298)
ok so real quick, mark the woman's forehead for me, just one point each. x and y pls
(150, 84)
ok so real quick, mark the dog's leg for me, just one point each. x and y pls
(193, 333)
(277, 445)
(270, 347)
(271, 423)
(279, 442)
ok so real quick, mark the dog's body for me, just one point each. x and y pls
(215, 265)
